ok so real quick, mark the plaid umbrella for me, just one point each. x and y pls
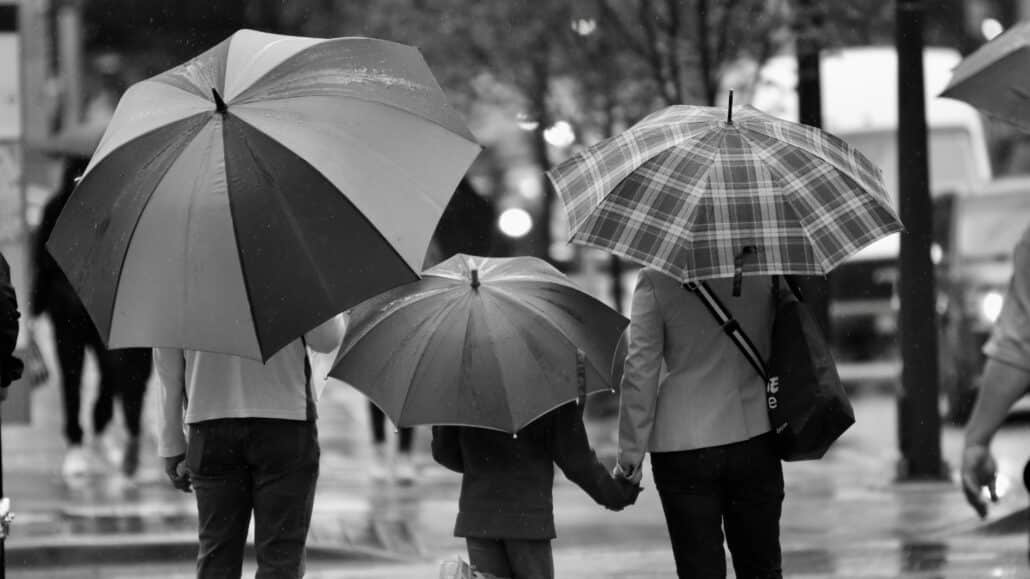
(698, 195)
(994, 80)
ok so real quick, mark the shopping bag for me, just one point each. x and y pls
(808, 407)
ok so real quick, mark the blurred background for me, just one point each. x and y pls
(538, 81)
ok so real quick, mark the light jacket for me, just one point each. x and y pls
(198, 386)
(686, 385)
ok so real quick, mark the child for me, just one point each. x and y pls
(506, 511)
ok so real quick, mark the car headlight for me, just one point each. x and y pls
(990, 305)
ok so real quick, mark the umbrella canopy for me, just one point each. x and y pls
(993, 78)
(692, 192)
(240, 199)
(487, 342)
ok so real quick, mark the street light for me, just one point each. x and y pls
(515, 222)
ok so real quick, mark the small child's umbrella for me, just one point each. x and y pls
(486, 342)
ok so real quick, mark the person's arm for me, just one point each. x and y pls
(571, 450)
(447, 449)
(170, 367)
(1001, 386)
(327, 336)
(639, 388)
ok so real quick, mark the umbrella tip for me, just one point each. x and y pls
(475, 278)
(220, 105)
(729, 109)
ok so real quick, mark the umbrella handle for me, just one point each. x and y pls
(581, 379)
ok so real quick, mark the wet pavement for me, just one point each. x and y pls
(844, 516)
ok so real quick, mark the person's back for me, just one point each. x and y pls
(242, 435)
(506, 510)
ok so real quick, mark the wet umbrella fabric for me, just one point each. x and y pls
(486, 342)
(993, 78)
(240, 199)
(689, 192)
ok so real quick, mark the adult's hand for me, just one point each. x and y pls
(631, 474)
(175, 468)
(978, 471)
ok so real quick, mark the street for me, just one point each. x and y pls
(844, 516)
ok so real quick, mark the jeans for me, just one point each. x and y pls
(511, 559)
(737, 487)
(260, 465)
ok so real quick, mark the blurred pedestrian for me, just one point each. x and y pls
(242, 436)
(691, 400)
(123, 373)
(399, 465)
(506, 506)
(1005, 379)
(10, 365)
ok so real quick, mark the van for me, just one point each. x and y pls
(860, 105)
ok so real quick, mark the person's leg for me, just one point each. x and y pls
(222, 484)
(134, 368)
(380, 467)
(689, 485)
(488, 556)
(70, 351)
(753, 507)
(107, 386)
(405, 464)
(283, 455)
(530, 559)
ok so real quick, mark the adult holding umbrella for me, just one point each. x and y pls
(733, 197)
(234, 206)
(993, 79)
(486, 348)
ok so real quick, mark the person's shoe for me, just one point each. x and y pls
(380, 467)
(130, 457)
(405, 468)
(76, 462)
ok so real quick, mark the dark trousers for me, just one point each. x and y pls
(123, 373)
(510, 558)
(737, 487)
(244, 465)
(406, 435)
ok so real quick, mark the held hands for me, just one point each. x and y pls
(978, 471)
(629, 483)
(175, 468)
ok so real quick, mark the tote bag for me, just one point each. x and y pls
(808, 407)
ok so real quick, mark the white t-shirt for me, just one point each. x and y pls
(198, 386)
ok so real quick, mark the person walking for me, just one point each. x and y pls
(506, 506)
(691, 400)
(400, 464)
(10, 365)
(242, 436)
(1005, 379)
(123, 374)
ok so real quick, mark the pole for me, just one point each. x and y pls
(809, 30)
(919, 421)
(69, 46)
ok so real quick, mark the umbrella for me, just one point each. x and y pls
(697, 193)
(487, 342)
(993, 78)
(240, 199)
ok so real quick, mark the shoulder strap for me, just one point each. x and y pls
(312, 410)
(729, 325)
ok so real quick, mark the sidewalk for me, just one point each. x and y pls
(843, 516)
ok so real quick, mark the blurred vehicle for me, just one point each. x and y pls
(859, 100)
(974, 235)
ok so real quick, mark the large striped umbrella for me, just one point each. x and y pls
(487, 342)
(698, 194)
(238, 200)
